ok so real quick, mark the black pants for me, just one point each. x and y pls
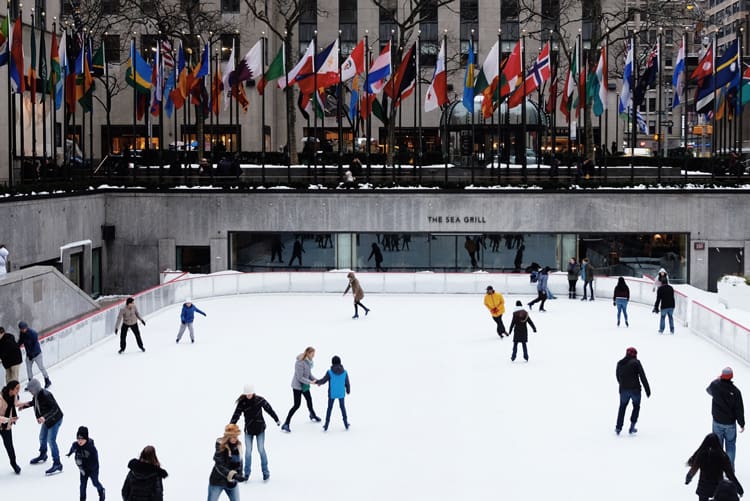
(515, 350)
(356, 311)
(540, 296)
(124, 334)
(94, 476)
(500, 327)
(572, 288)
(8, 443)
(298, 394)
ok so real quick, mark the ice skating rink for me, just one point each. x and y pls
(437, 409)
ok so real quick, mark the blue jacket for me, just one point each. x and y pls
(541, 283)
(338, 381)
(188, 313)
(30, 341)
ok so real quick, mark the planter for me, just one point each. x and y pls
(734, 292)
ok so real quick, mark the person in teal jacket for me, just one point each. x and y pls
(187, 316)
(338, 388)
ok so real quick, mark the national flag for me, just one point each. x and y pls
(303, 103)
(437, 92)
(468, 97)
(179, 93)
(365, 105)
(85, 81)
(648, 77)
(99, 61)
(564, 108)
(238, 93)
(745, 91)
(355, 63)
(43, 67)
(378, 109)
(704, 95)
(16, 67)
(216, 87)
(627, 77)
(552, 97)
(157, 84)
(602, 81)
(229, 70)
(56, 78)
(249, 67)
(510, 76)
(641, 122)
(379, 72)
(727, 66)
(303, 66)
(403, 82)
(4, 40)
(323, 73)
(705, 66)
(678, 78)
(169, 87)
(274, 71)
(72, 49)
(536, 76)
(487, 81)
(167, 59)
(354, 98)
(200, 70)
(138, 72)
(31, 79)
(572, 90)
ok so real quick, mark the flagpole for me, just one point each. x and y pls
(287, 89)
(418, 108)
(522, 153)
(499, 122)
(108, 97)
(659, 140)
(683, 117)
(738, 110)
(553, 99)
(83, 111)
(12, 107)
(445, 112)
(338, 108)
(159, 82)
(42, 59)
(606, 105)
(368, 105)
(473, 120)
(135, 96)
(264, 45)
(33, 101)
(91, 121)
(633, 111)
(21, 75)
(713, 115)
(64, 104)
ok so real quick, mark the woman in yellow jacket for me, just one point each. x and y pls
(495, 302)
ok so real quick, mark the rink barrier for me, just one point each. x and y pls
(727, 333)
(70, 339)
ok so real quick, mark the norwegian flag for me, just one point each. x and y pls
(167, 59)
(536, 76)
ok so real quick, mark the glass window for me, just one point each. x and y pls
(148, 46)
(112, 48)
(469, 27)
(228, 40)
(194, 259)
(387, 26)
(230, 5)
(348, 26)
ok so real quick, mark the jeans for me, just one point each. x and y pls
(330, 407)
(668, 313)
(591, 288)
(625, 397)
(261, 439)
(500, 326)
(94, 476)
(622, 307)
(549, 294)
(515, 350)
(48, 435)
(214, 491)
(728, 435)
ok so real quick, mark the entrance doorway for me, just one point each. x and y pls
(724, 261)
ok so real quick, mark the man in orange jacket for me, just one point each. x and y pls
(495, 302)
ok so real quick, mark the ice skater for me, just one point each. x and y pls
(520, 319)
(128, 318)
(50, 417)
(227, 470)
(10, 355)
(301, 382)
(573, 271)
(713, 464)
(87, 460)
(587, 275)
(662, 278)
(665, 299)
(145, 477)
(727, 410)
(29, 338)
(377, 255)
(8, 418)
(541, 289)
(495, 303)
(338, 388)
(630, 375)
(251, 406)
(187, 316)
(297, 251)
(620, 298)
(358, 293)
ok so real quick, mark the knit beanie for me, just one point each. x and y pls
(83, 433)
(336, 360)
(727, 373)
(248, 389)
(631, 352)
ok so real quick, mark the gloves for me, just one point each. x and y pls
(239, 478)
(278, 423)
(183, 323)
(688, 478)
(143, 322)
(534, 331)
(655, 310)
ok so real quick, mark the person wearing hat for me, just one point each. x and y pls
(665, 299)
(630, 376)
(128, 318)
(251, 405)
(29, 338)
(574, 270)
(10, 355)
(495, 303)
(541, 289)
(50, 416)
(8, 418)
(187, 316)
(87, 460)
(227, 465)
(520, 319)
(145, 478)
(358, 292)
(338, 388)
(727, 409)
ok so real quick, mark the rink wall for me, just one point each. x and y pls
(70, 339)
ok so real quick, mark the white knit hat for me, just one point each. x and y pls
(248, 389)
(188, 300)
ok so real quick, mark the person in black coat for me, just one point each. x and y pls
(727, 410)
(227, 465)
(630, 375)
(87, 460)
(50, 416)
(518, 323)
(297, 251)
(377, 255)
(665, 299)
(252, 405)
(713, 464)
(620, 298)
(144, 480)
(10, 355)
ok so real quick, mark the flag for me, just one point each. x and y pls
(4, 40)
(600, 96)
(84, 80)
(648, 77)
(378, 110)
(678, 78)
(365, 105)
(249, 67)
(56, 79)
(238, 93)
(403, 82)
(228, 71)
(571, 92)
(487, 80)
(274, 71)
(179, 93)
(99, 61)
(303, 66)
(564, 108)
(138, 72)
(324, 72)
(627, 76)
(157, 84)
(468, 98)
(43, 66)
(16, 67)
(355, 63)
(168, 90)
(216, 87)
(437, 92)
(510, 77)
(704, 95)
(536, 76)
(167, 59)
(706, 65)
(642, 126)
(199, 71)
(354, 98)
(727, 66)
(31, 79)
(552, 98)
(745, 91)
(379, 72)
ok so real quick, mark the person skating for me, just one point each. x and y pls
(301, 382)
(587, 275)
(377, 255)
(662, 278)
(665, 299)
(541, 289)
(144, 481)
(50, 417)
(713, 464)
(87, 460)
(128, 318)
(495, 303)
(297, 251)
(573, 271)
(187, 316)
(630, 376)
(227, 470)
(518, 323)
(338, 388)
(10, 355)
(727, 409)
(620, 298)
(358, 293)
(29, 338)
(251, 406)
(8, 418)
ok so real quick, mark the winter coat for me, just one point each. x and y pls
(665, 297)
(376, 254)
(187, 316)
(495, 302)
(86, 456)
(726, 491)
(541, 282)
(587, 272)
(45, 406)
(30, 342)
(4, 260)
(302, 373)
(621, 293)
(713, 464)
(7, 411)
(359, 294)
(573, 271)
(227, 464)
(252, 409)
(10, 353)
(630, 375)
(128, 316)
(520, 319)
(338, 381)
(726, 402)
(144, 482)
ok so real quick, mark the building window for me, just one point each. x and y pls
(308, 23)
(348, 26)
(230, 5)
(148, 46)
(386, 24)
(148, 7)
(429, 27)
(229, 40)
(112, 48)
(469, 27)
(110, 7)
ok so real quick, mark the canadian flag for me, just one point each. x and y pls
(437, 93)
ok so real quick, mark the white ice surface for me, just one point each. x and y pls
(438, 411)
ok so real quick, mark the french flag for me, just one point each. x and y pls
(379, 71)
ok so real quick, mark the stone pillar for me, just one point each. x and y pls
(167, 254)
(219, 254)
